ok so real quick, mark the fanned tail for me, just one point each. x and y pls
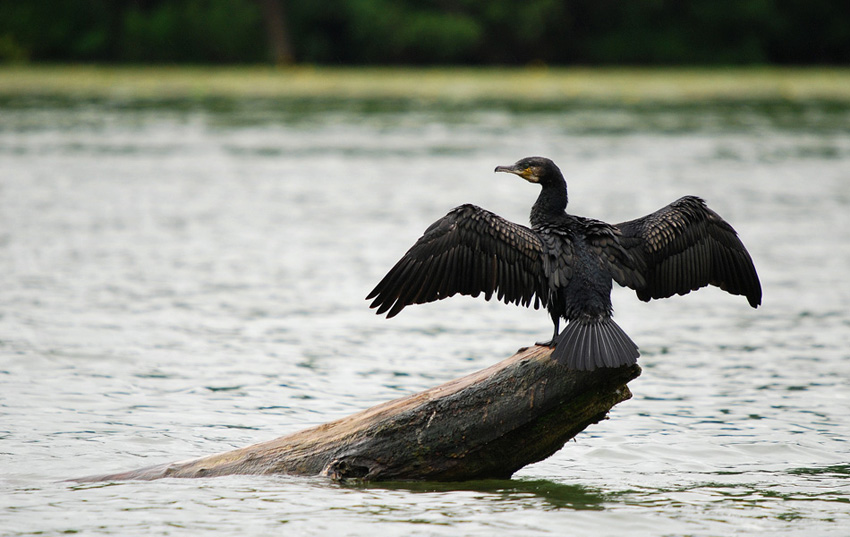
(586, 344)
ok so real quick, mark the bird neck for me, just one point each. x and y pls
(551, 202)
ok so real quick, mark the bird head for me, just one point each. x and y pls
(534, 170)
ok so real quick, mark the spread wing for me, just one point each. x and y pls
(469, 251)
(685, 246)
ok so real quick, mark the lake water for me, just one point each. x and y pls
(181, 278)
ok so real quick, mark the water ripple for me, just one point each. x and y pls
(185, 280)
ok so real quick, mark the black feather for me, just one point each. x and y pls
(566, 264)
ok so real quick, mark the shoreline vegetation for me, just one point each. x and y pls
(453, 84)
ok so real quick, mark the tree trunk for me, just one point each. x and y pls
(488, 424)
(277, 31)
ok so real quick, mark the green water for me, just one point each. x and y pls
(181, 278)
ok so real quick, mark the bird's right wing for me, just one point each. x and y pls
(685, 246)
(469, 251)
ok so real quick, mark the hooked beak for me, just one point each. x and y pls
(525, 173)
(508, 169)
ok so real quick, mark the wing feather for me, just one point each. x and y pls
(469, 251)
(685, 246)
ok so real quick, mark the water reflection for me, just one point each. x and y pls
(836, 470)
(585, 117)
(553, 495)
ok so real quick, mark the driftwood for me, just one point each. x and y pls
(488, 424)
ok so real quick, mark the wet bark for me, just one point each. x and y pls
(488, 424)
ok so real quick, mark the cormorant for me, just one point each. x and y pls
(566, 263)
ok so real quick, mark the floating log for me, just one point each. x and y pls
(488, 424)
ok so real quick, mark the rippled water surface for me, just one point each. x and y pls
(180, 279)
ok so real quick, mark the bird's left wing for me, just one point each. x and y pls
(469, 251)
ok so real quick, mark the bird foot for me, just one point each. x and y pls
(550, 343)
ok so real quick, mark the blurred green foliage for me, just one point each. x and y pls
(656, 32)
(192, 30)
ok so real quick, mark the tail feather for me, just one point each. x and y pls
(586, 344)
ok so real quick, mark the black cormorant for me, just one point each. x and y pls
(566, 263)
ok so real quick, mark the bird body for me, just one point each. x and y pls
(567, 263)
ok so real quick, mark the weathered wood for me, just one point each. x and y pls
(488, 424)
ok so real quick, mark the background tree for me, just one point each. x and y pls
(277, 30)
(469, 32)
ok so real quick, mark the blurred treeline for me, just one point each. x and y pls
(655, 32)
